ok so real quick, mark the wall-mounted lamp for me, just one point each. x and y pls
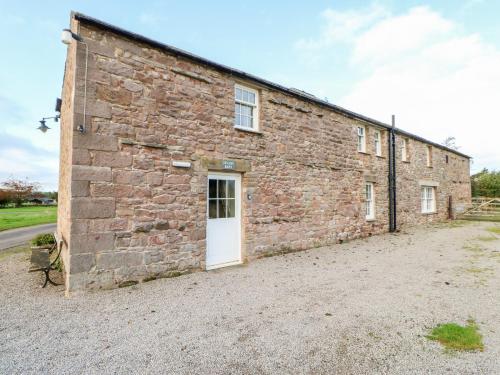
(66, 37)
(43, 126)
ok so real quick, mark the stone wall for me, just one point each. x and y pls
(66, 153)
(135, 216)
(453, 178)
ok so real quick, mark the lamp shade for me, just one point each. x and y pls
(66, 36)
(43, 128)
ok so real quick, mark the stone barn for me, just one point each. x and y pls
(171, 163)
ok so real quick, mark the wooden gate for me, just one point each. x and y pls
(487, 209)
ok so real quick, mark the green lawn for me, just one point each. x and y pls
(26, 216)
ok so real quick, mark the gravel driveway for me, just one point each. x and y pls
(359, 307)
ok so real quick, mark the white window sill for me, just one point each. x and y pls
(248, 130)
(372, 219)
(429, 213)
(364, 152)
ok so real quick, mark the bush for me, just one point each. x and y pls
(486, 184)
(43, 239)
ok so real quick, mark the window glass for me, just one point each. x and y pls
(361, 139)
(230, 188)
(222, 208)
(231, 210)
(378, 148)
(428, 199)
(212, 208)
(245, 108)
(222, 189)
(221, 199)
(369, 201)
(212, 189)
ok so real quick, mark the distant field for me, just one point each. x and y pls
(11, 218)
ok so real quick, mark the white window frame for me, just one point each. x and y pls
(428, 199)
(429, 156)
(377, 139)
(361, 136)
(255, 108)
(369, 201)
(404, 150)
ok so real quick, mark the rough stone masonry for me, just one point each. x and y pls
(126, 213)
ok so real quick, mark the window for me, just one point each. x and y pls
(221, 199)
(369, 201)
(404, 149)
(246, 114)
(361, 139)
(378, 143)
(428, 198)
(446, 159)
(429, 156)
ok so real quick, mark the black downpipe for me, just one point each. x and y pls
(392, 176)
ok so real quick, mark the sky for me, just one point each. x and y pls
(434, 64)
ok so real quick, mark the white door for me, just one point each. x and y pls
(223, 220)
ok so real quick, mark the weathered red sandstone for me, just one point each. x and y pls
(126, 213)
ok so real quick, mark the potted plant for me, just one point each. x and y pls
(43, 241)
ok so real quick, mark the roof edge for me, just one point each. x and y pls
(241, 74)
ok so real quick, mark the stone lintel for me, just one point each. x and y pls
(428, 183)
(226, 165)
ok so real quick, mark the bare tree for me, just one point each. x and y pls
(450, 142)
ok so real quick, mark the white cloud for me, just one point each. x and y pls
(20, 158)
(419, 65)
(341, 26)
(397, 35)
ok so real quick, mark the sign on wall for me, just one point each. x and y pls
(228, 164)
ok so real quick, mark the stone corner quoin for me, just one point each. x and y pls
(134, 185)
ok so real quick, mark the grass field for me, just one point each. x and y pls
(11, 218)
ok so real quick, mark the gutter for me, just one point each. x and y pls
(241, 74)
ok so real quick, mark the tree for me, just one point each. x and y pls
(486, 184)
(20, 190)
(50, 195)
(5, 197)
(450, 142)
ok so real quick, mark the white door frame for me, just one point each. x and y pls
(237, 178)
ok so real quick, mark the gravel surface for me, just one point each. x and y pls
(356, 308)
